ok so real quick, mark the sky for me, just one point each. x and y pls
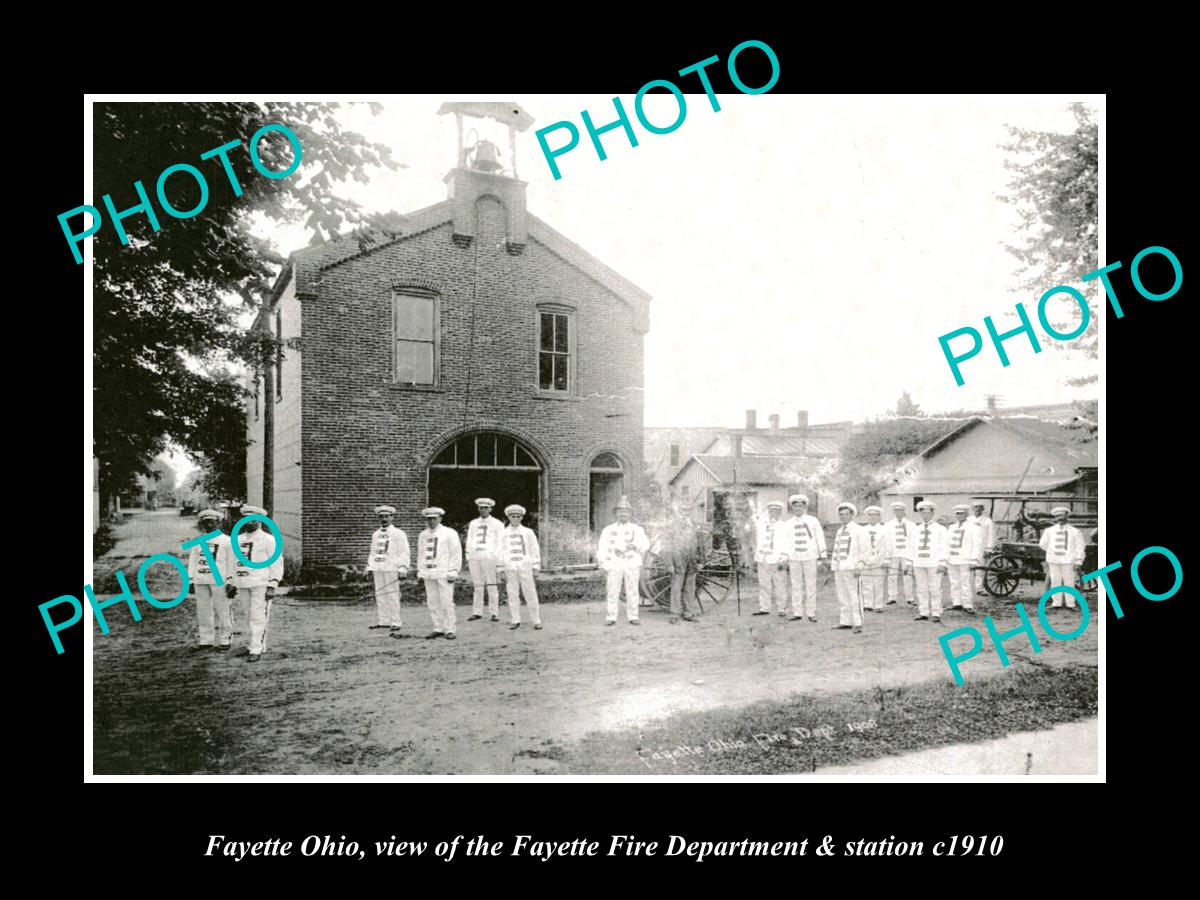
(802, 252)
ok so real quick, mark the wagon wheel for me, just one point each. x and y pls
(714, 579)
(656, 582)
(1002, 576)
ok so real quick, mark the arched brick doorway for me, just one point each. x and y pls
(485, 464)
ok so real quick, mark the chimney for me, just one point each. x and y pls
(736, 441)
(774, 419)
(751, 419)
(802, 420)
(991, 404)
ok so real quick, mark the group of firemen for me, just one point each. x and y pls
(910, 557)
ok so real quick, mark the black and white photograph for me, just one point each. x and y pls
(518, 436)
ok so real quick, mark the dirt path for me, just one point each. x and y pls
(332, 697)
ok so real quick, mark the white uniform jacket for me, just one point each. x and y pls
(899, 538)
(987, 532)
(929, 545)
(256, 546)
(1064, 544)
(520, 549)
(771, 541)
(964, 544)
(485, 538)
(621, 546)
(389, 551)
(199, 571)
(803, 537)
(848, 548)
(439, 553)
(874, 547)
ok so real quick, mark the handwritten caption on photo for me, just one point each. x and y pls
(794, 736)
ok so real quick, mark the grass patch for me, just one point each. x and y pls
(808, 732)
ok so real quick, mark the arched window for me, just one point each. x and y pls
(485, 449)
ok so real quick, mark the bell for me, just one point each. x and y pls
(487, 157)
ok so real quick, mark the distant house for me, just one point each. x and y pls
(155, 490)
(667, 450)
(1000, 455)
(760, 465)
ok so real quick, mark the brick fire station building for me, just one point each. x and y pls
(480, 352)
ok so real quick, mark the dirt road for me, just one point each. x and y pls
(329, 696)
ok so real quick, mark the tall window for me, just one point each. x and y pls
(674, 454)
(279, 355)
(415, 327)
(554, 352)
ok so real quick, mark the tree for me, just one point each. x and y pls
(869, 459)
(905, 407)
(1055, 190)
(171, 307)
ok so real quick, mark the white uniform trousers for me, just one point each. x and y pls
(849, 602)
(211, 599)
(929, 591)
(387, 598)
(895, 579)
(439, 597)
(1062, 573)
(516, 582)
(979, 589)
(772, 587)
(483, 574)
(871, 587)
(802, 573)
(260, 616)
(961, 585)
(630, 578)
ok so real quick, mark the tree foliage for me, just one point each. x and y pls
(171, 308)
(906, 407)
(1055, 191)
(869, 458)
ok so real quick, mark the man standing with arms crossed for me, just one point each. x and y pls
(485, 537)
(439, 559)
(929, 562)
(256, 545)
(1064, 546)
(207, 567)
(805, 539)
(387, 563)
(899, 538)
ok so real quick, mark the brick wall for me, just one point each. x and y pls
(367, 440)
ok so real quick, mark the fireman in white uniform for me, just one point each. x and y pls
(521, 558)
(771, 555)
(805, 539)
(485, 539)
(848, 559)
(987, 538)
(257, 545)
(899, 537)
(963, 556)
(875, 559)
(387, 563)
(207, 567)
(1064, 546)
(619, 553)
(439, 560)
(929, 562)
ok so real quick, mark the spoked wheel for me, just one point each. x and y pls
(714, 579)
(656, 582)
(1002, 576)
